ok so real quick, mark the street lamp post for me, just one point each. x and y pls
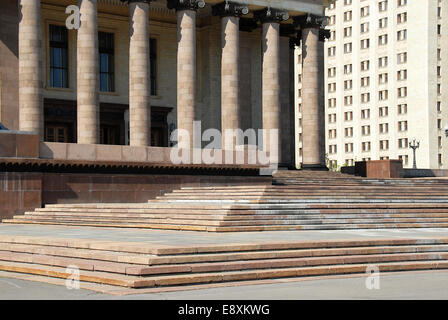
(414, 145)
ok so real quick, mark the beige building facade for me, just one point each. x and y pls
(136, 70)
(384, 82)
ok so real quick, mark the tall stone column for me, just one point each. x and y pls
(88, 112)
(313, 112)
(271, 19)
(230, 78)
(186, 64)
(139, 74)
(31, 117)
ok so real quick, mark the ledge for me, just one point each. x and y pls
(123, 167)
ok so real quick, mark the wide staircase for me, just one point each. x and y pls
(140, 265)
(295, 201)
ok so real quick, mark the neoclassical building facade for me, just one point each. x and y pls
(133, 71)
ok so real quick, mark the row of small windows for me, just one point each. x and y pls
(402, 143)
(382, 5)
(365, 65)
(366, 97)
(402, 109)
(365, 43)
(59, 61)
(365, 82)
(382, 22)
(383, 128)
(365, 26)
(383, 78)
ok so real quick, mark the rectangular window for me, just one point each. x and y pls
(107, 69)
(58, 57)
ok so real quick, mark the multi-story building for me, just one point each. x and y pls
(131, 72)
(384, 84)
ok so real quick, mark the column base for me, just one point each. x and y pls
(314, 167)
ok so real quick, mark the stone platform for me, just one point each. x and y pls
(131, 261)
(296, 201)
(391, 224)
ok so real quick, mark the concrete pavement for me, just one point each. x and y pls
(170, 237)
(403, 285)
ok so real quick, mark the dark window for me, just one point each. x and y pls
(58, 57)
(56, 133)
(107, 70)
(153, 59)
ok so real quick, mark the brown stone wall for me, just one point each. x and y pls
(19, 192)
(85, 188)
(9, 64)
(20, 145)
(25, 191)
(379, 169)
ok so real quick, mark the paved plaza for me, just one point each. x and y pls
(392, 285)
(401, 285)
(175, 238)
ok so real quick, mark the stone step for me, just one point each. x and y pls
(205, 267)
(215, 277)
(245, 209)
(192, 211)
(238, 228)
(241, 222)
(311, 187)
(100, 215)
(276, 201)
(264, 215)
(134, 259)
(84, 253)
(327, 227)
(335, 195)
(217, 205)
(143, 206)
(349, 193)
(95, 265)
(333, 183)
(124, 220)
(163, 250)
(115, 225)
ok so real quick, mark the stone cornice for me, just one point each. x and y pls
(185, 4)
(271, 15)
(230, 9)
(311, 21)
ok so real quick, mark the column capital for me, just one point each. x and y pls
(311, 21)
(230, 9)
(185, 4)
(271, 15)
(130, 1)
